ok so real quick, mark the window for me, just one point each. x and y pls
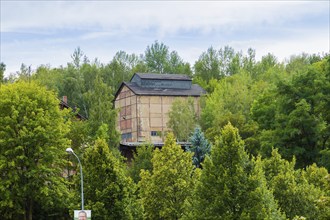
(154, 133)
(126, 136)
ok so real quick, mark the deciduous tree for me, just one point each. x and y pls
(164, 189)
(182, 118)
(32, 151)
(231, 186)
(109, 193)
(141, 161)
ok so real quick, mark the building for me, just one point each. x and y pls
(64, 105)
(144, 102)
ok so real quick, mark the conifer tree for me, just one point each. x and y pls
(199, 146)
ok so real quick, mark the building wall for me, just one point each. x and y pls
(144, 118)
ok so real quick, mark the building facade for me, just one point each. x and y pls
(144, 103)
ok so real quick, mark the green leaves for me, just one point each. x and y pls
(164, 189)
(182, 118)
(32, 148)
(108, 191)
(294, 116)
(231, 185)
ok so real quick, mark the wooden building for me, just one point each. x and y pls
(144, 103)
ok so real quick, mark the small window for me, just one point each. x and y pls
(154, 133)
(126, 136)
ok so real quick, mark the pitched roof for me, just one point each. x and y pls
(162, 76)
(195, 90)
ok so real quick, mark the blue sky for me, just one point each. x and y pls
(47, 32)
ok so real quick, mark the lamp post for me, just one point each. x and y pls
(70, 151)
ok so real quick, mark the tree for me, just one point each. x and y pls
(208, 65)
(231, 186)
(32, 152)
(141, 161)
(76, 57)
(293, 116)
(101, 110)
(295, 195)
(108, 191)
(182, 118)
(24, 73)
(164, 189)
(51, 78)
(231, 101)
(159, 59)
(199, 146)
(121, 69)
(2, 72)
(320, 177)
(156, 57)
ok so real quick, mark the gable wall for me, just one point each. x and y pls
(140, 115)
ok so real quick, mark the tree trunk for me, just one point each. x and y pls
(28, 209)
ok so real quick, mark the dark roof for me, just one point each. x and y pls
(65, 105)
(195, 90)
(162, 76)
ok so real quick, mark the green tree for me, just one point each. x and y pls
(295, 195)
(121, 68)
(182, 118)
(199, 146)
(231, 186)
(320, 177)
(207, 67)
(164, 189)
(141, 160)
(108, 190)
(159, 59)
(231, 101)
(52, 78)
(156, 57)
(32, 152)
(101, 111)
(2, 72)
(293, 116)
(76, 57)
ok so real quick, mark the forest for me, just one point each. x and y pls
(260, 149)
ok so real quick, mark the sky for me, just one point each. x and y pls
(44, 32)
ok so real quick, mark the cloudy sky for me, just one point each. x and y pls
(47, 32)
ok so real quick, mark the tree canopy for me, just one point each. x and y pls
(32, 151)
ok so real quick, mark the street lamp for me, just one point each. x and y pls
(70, 151)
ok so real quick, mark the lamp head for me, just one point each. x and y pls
(69, 150)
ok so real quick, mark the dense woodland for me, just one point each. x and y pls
(260, 147)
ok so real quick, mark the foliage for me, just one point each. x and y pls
(199, 146)
(109, 193)
(2, 72)
(182, 118)
(231, 102)
(231, 186)
(159, 59)
(164, 189)
(32, 149)
(294, 116)
(283, 105)
(141, 161)
(295, 195)
(101, 111)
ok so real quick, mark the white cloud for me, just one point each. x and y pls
(52, 29)
(165, 16)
